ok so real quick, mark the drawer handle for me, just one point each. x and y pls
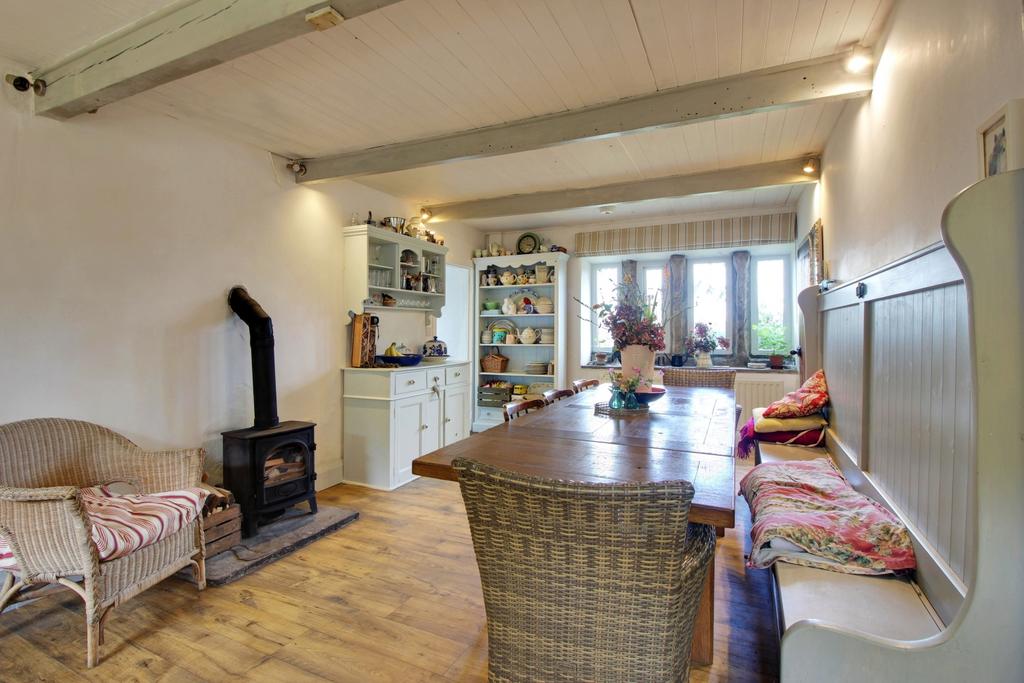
(411, 382)
(447, 419)
(458, 374)
(423, 426)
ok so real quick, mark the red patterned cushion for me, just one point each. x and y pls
(122, 524)
(810, 398)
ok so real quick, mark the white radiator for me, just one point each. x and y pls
(758, 389)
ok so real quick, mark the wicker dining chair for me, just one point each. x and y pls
(716, 378)
(514, 409)
(585, 384)
(552, 395)
(585, 582)
(43, 463)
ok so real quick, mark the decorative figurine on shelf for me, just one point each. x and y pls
(369, 219)
(508, 306)
(522, 279)
(492, 280)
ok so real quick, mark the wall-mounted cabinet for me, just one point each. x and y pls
(388, 271)
(537, 361)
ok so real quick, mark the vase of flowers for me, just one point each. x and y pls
(624, 384)
(632, 324)
(702, 341)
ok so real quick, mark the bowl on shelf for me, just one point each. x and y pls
(405, 360)
(647, 397)
(492, 305)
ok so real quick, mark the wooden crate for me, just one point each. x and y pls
(223, 529)
(491, 397)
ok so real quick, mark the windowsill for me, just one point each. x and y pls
(737, 368)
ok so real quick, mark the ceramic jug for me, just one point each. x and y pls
(528, 336)
(508, 306)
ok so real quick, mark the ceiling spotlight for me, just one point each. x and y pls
(297, 167)
(811, 165)
(425, 214)
(859, 61)
(23, 84)
(607, 210)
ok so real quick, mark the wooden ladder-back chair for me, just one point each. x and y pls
(585, 384)
(552, 395)
(560, 604)
(517, 408)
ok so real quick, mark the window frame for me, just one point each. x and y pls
(787, 300)
(595, 328)
(729, 299)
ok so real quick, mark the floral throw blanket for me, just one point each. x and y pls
(806, 513)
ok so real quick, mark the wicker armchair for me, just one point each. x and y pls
(43, 463)
(585, 582)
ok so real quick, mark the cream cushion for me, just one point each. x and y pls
(766, 425)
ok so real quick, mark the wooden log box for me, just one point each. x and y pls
(223, 529)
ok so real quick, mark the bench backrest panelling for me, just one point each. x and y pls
(895, 350)
(842, 337)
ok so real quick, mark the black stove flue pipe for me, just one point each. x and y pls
(261, 341)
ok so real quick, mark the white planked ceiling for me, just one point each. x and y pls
(421, 68)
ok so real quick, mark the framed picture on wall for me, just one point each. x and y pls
(1001, 140)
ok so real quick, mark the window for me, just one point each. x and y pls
(606, 278)
(771, 310)
(654, 286)
(709, 296)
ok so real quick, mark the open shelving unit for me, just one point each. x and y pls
(485, 417)
(380, 263)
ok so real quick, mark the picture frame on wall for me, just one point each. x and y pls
(1001, 140)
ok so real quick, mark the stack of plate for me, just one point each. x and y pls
(547, 336)
(543, 305)
(537, 368)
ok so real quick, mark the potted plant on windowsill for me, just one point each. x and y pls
(701, 342)
(771, 337)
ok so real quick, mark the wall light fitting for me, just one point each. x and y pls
(810, 165)
(425, 214)
(859, 61)
(297, 167)
(23, 84)
(607, 210)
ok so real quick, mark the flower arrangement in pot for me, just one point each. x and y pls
(771, 337)
(633, 326)
(624, 385)
(702, 341)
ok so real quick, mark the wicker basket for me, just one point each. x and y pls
(494, 362)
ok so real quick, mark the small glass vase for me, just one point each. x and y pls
(618, 400)
(631, 402)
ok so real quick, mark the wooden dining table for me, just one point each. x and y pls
(688, 434)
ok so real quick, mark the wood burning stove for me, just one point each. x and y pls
(269, 467)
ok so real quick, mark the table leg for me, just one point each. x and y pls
(703, 648)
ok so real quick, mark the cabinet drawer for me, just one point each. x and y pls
(410, 382)
(456, 375)
(435, 377)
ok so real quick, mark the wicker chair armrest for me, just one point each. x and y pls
(48, 532)
(169, 470)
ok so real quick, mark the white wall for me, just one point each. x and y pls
(120, 235)
(895, 160)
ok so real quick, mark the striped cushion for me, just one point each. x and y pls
(123, 523)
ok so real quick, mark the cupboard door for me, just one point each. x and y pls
(430, 424)
(406, 425)
(456, 402)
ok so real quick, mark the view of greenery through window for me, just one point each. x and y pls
(710, 295)
(770, 295)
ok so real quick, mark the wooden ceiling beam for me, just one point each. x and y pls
(788, 172)
(790, 85)
(176, 43)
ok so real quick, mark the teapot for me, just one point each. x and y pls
(508, 278)
(522, 279)
(528, 336)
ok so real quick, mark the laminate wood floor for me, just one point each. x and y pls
(393, 597)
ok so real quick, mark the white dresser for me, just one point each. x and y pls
(392, 417)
